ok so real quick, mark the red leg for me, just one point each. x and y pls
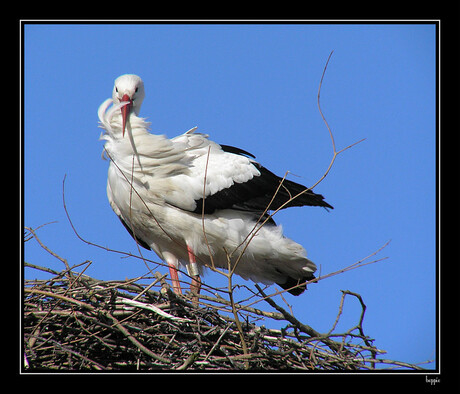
(174, 278)
(192, 268)
(195, 287)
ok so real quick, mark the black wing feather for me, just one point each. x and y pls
(236, 151)
(255, 195)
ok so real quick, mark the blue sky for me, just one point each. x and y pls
(255, 87)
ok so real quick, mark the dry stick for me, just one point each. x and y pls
(47, 249)
(291, 319)
(31, 235)
(392, 362)
(44, 269)
(189, 361)
(217, 342)
(246, 308)
(358, 264)
(60, 297)
(372, 349)
(134, 341)
(335, 346)
(237, 320)
(360, 324)
(328, 128)
(335, 152)
(147, 288)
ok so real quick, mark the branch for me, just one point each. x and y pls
(47, 249)
(335, 152)
(335, 346)
(133, 340)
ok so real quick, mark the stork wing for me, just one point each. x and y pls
(234, 180)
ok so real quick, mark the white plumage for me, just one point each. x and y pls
(156, 187)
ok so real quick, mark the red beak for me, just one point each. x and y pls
(126, 110)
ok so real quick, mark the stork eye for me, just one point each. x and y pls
(116, 89)
(136, 90)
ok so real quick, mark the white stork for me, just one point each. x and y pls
(197, 203)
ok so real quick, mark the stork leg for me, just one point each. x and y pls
(192, 269)
(172, 264)
(174, 278)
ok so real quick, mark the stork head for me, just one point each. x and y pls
(128, 88)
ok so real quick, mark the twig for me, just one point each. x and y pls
(335, 152)
(217, 342)
(60, 297)
(47, 249)
(190, 360)
(152, 308)
(134, 341)
(302, 327)
(235, 314)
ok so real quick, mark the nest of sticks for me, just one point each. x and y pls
(73, 322)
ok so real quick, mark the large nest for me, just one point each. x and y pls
(75, 322)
